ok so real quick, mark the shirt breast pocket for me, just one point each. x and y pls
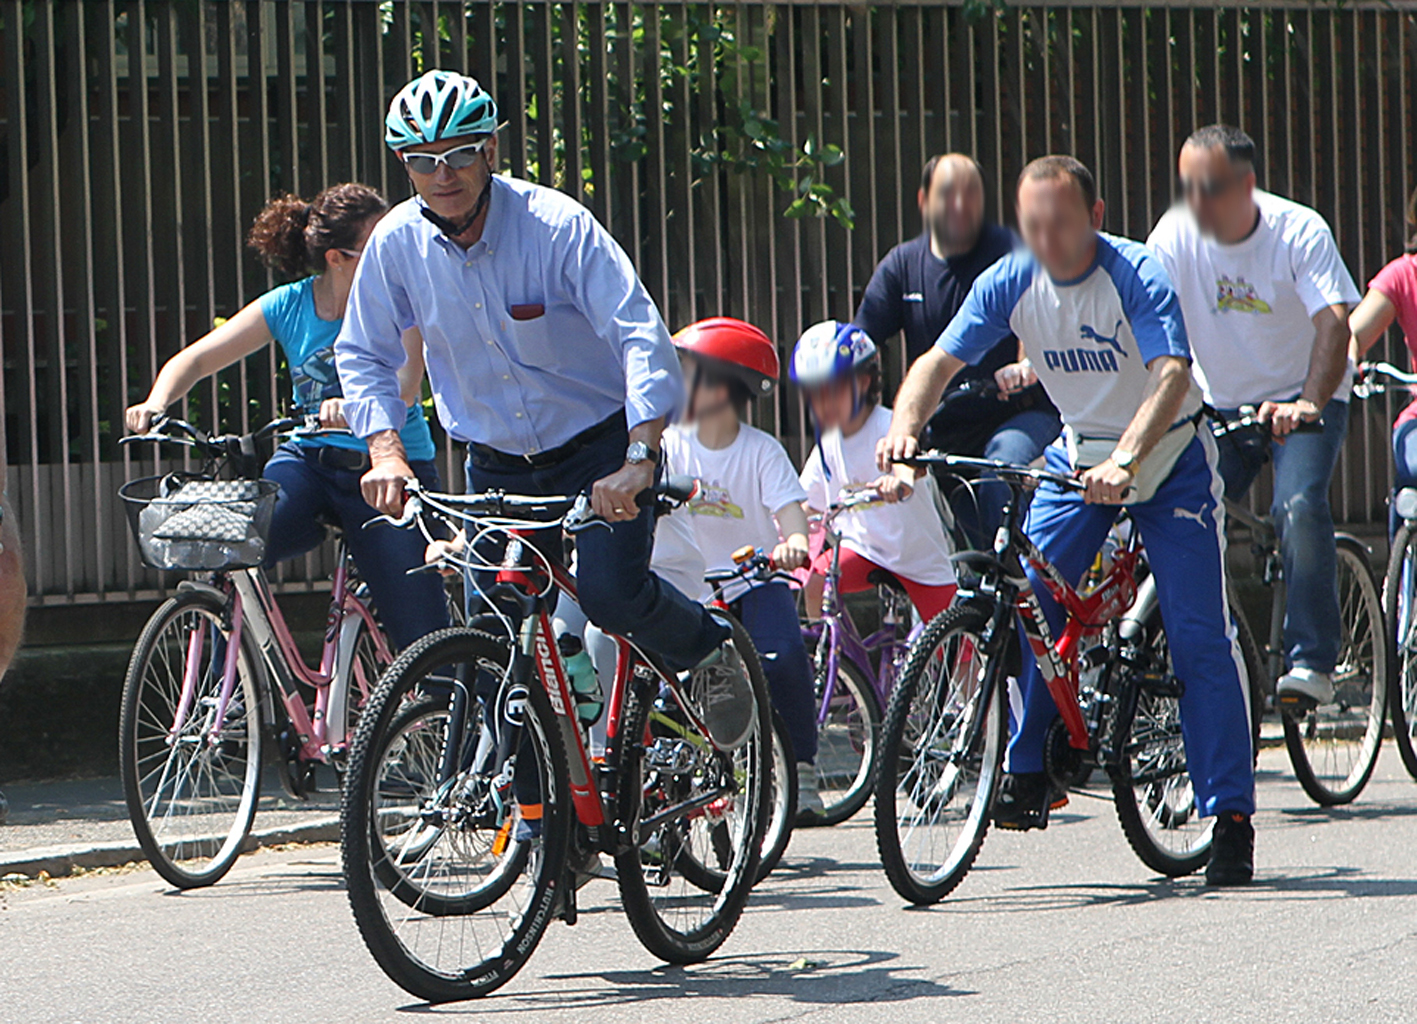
(532, 337)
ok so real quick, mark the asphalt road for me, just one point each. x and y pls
(1061, 926)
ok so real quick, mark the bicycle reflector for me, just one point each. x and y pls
(744, 554)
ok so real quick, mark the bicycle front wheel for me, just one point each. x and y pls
(942, 750)
(1400, 603)
(1334, 747)
(1151, 782)
(453, 877)
(191, 781)
(848, 737)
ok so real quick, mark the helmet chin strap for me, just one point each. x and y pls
(453, 228)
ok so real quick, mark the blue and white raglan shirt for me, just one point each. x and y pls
(1089, 339)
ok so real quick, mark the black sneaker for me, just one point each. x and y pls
(1232, 851)
(1024, 800)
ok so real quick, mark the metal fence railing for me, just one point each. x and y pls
(138, 139)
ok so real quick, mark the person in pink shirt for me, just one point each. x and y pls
(1392, 296)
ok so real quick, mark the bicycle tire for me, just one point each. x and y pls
(903, 777)
(514, 931)
(855, 698)
(1400, 605)
(143, 735)
(1255, 669)
(660, 857)
(1332, 768)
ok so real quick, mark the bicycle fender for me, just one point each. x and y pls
(205, 588)
(337, 720)
(1134, 619)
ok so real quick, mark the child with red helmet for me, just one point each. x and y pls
(749, 495)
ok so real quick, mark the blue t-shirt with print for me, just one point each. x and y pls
(309, 346)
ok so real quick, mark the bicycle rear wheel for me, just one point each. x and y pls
(847, 740)
(191, 792)
(1400, 603)
(1151, 783)
(703, 813)
(451, 882)
(942, 750)
(1334, 747)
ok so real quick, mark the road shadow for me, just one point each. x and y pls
(818, 977)
(1333, 881)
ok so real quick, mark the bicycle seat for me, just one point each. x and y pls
(885, 578)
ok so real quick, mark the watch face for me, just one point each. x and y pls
(637, 452)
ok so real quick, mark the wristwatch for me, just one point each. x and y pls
(1123, 459)
(640, 452)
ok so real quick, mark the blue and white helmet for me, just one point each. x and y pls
(830, 351)
(438, 105)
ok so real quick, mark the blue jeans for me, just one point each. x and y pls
(1187, 553)
(1303, 470)
(769, 614)
(408, 606)
(1404, 451)
(617, 590)
(1020, 439)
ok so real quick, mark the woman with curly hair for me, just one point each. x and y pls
(319, 242)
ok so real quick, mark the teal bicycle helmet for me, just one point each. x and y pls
(438, 105)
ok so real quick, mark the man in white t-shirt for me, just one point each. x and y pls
(1266, 297)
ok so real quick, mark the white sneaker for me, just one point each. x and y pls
(809, 799)
(1300, 682)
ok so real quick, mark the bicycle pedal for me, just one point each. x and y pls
(1162, 684)
(1295, 706)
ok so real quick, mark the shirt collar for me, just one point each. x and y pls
(491, 230)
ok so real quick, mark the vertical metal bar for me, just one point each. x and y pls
(787, 250)
(287, 106)
(815, 264)
(627, 202)
(572, 98)
(54, 288)
(840, 266)
(316, 151)
(110, 286)
(456, 14)
(484, 45)
(543, 67)
(885, 189)
(86, 550)
(709, 190)
(866, 245)
(350, 111)
(197, 217)
(654, 269)
(515, 106)
(681, 303)
(598, 111)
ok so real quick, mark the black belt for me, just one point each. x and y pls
(488, 456)
(333, 457)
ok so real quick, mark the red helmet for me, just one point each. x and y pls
(735, 347)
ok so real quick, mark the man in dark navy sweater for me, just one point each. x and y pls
(918, 288)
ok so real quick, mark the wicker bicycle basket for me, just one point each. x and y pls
(185, 521)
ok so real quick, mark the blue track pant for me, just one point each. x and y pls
(1183, 528)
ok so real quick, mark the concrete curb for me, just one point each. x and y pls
(60, 861)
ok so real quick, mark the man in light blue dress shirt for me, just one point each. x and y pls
(546, 355)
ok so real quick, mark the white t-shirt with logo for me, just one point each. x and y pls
(907, 538)
(740, 487)
(1249, 307)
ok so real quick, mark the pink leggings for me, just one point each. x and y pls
(929, 600)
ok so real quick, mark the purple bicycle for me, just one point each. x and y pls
(854, 675)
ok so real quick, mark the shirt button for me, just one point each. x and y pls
(490, 341)
(508, 376)
(519, 415)
(468, 263)
(477, 305)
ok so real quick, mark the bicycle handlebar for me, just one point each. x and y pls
(1366, 387)
(757, 567)
(1007, 471)
(169, 430)
(1249, 420)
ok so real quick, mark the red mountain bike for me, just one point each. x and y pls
(1109, 673)
(472, 808)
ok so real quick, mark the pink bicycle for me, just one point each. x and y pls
(216, 674)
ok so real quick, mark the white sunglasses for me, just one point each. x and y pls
(457, 159)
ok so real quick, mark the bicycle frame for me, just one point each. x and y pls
(838, 630)
(253, 606)
(594, 788)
